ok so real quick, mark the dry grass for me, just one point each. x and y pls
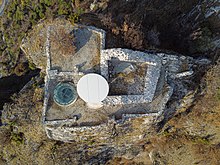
(193, 137)
(187, 141)
(62, 41)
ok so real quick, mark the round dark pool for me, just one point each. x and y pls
(65, 94)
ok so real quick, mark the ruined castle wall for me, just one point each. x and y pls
(68, 130)
(104, 133)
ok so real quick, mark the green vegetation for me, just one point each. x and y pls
(32, 66)
(18, 138)
(21, 68)
(20, 16)
(166, 133)
(200, 140)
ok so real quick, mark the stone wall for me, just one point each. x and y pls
(104, 133)
(151, 77)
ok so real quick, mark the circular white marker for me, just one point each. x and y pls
(93, 88)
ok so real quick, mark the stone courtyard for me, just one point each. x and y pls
(140, 82)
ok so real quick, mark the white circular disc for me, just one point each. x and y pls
(92, 88)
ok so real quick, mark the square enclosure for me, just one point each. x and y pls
(132, 75)
(126, 78)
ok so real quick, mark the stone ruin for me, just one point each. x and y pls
(151, 73)
(141, 83)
